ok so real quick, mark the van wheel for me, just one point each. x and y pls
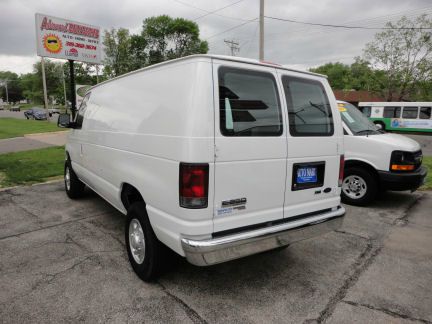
(359, 187)
(73, 186)
(144, 250)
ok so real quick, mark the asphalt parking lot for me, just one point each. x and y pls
(65, 261)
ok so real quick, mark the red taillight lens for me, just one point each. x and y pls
(341, 170)
(193, 185)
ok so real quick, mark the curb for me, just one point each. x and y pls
(31, 185)
(46, 133)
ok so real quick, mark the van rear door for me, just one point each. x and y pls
(314, 145)
(250, 145)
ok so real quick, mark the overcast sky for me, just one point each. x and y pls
(285, 43)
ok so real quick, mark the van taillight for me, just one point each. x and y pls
(193, 185)
(341, 170)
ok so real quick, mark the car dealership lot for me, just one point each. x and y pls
(64, 260)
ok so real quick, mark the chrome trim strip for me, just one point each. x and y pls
(230, 247)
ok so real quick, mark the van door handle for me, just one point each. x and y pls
(81, 150)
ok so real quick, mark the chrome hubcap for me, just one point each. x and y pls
(354, 187)
(136, 241)
(67, 178)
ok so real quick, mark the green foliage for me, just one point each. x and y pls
(31, 166)
(162, 38)
(12, 127)
(15, 91)
(427, 162)
(404, 55)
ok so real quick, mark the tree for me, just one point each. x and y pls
(162, 38)
(404, 54)
(169, 38)
(12, 81)
(339, 75)
(117, 52)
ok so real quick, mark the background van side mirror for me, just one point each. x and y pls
(64, 121)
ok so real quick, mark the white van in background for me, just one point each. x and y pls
(376, 161)
(214, 157)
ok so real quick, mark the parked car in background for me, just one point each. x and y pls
(376, 161)
(36, 113)
(214, 157)
(15, 108)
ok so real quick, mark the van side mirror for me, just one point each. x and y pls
(378, 126)
(64, 121)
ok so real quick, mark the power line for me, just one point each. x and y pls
(346, 27)
(217, 10)
(207, 11)
(232, 28)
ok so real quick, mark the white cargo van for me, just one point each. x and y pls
(214, 157)
(376, 161)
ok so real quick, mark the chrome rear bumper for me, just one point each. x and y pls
(230, 247)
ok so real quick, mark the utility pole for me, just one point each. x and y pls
(261, 34)
(234, 46)
(44, 85)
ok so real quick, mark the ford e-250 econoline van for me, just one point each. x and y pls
(376, 161)
(214, 157)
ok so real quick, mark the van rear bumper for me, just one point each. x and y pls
(230, 247)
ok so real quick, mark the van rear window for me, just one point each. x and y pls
(309, 110)
(248, 103)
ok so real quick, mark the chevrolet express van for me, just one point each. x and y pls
(376, 161)
(213, 157)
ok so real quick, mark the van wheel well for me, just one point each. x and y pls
(130, 195)
(360, 164)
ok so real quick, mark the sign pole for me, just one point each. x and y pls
(64, 87)
(44, 85)
(72, 88)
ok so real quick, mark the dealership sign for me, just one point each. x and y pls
(65, 39)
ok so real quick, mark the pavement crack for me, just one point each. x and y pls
(352, 234)
(403, 220)
(387, 311)
(190, 312)
(361, 264)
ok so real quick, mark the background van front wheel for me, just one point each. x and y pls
(73, 186)
(145, 251)
(359, 187)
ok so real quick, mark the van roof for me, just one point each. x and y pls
(213, 56)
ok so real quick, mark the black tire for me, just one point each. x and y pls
(76, 187)
(382, 125)
(151, 266)
(362, 178)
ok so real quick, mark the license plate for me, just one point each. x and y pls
(307, 175)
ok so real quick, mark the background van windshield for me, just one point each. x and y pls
(356, 121)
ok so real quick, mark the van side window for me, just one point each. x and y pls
(81, 111)
(392, 112)
(410, 112)
(309, 109)
(425, 112)
(248, 103)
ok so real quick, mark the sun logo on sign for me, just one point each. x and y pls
(52, 43)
